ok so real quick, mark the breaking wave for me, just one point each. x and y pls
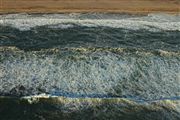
(82, 72)
(90, 55)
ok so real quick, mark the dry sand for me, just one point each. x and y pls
(60, 6)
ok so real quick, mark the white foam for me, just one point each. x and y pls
(91, 74)
(151, 22)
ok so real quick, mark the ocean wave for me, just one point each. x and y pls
(152, 22)
(90, 73)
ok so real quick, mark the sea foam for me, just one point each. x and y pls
(80, 73)
(152, 22)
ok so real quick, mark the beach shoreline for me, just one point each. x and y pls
(93, 6)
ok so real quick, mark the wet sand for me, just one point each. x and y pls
(113, 6)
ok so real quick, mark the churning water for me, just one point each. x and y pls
(90, 55)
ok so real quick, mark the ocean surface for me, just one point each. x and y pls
(90, 55)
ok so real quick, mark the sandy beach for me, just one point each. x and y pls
(113, 6)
